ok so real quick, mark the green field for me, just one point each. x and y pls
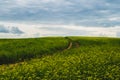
(60, 58)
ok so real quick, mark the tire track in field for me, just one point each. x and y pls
(72, 44)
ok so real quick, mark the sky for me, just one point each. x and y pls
(40, 18)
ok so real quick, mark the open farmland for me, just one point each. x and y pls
(59, 58)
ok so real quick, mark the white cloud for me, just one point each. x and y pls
(40, 30)
(114, 19)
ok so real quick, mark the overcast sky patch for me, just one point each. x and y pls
(93, 14)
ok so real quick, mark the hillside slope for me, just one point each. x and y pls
(15, 50)
(87, 59)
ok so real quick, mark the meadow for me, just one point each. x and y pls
(88, 58)
(15, 50)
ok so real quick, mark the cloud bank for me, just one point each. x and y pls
(34, 18)
(7, 29)
(80, 12)
(24, 30)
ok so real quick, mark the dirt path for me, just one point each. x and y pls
(72, 44)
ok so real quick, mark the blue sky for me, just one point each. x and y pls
(34, 18)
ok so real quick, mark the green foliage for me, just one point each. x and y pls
(14, 50)
(94, 59)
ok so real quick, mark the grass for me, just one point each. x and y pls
(88, 59)
(15, 50)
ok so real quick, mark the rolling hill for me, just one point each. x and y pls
(60, 58)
